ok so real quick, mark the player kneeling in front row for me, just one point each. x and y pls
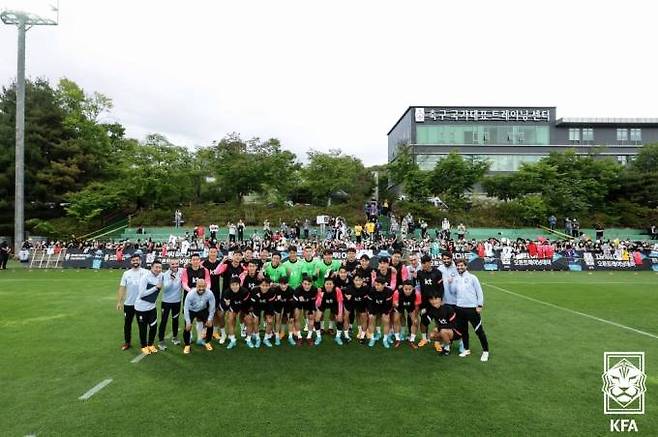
(405, 309)
(237, 302)
(380, 305)
(329, 298)
(445, 320)
(199, 305)
(262, 307)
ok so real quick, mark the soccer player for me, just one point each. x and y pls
(211, 264)
(228, 269)
(364, 270)
(304, 297)
(406, 304)
(284, 312)
(262, 306)
(250, 280)
(445, 319)
(354, 302)
(430, 283)
(126, 295)
(171, 302)
(309, 263)
(326, 268)
(470, 302)
(273, 269)
(329, 298)
(380, 305)
(448, 271)
(200, 305)
(293, 267)
(401, 272)
(351, 263)
(147, 316)
(384, 270)
(191, 274)
(237, 302)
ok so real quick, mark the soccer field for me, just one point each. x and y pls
(548, 331)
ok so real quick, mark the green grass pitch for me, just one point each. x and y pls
(61, 335)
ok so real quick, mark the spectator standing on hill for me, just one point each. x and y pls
(213, 228)
(552, 221)
(568, 227)
(461, 231)
(241, 231)
(599, 232)
(4, 255)
(445, 228)
(575, 232)
(232, 232)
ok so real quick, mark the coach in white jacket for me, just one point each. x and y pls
(470, 302)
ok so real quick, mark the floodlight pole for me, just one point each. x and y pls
(19, 193)
(23, 21)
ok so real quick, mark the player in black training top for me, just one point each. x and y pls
(284, 312)
(351, 263)
(262, 308)
(237, 301)
(406, 304)
(354, 303)
(430, 283)
(380, 305)
(364, 270)
(304, 298)
(445, 319)
(211, 263)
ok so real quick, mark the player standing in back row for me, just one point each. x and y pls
(128, 292)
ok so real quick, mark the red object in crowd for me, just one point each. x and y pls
(200, 231)
(480, 250)
(119, 253)
(637, 257)
(532, 249)
(164, 250)
(549, 251)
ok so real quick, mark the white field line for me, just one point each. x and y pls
(95, 389)
(138, 358)
(589, 316)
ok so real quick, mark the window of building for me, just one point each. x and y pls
(574, 134)
(622, 134)
(622, 159)
(588, 134)
(482, 134)
(636, 134)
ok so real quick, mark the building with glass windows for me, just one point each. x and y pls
(510, 136)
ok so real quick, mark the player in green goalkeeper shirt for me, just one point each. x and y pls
(326, 268)
(309, 263)
(274, 269)
(293, 266)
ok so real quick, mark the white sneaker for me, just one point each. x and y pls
(464, 354)
(175, 341)
(484, 357)
(243, 331)
(222, 339)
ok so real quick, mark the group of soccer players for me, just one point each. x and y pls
(237, 295)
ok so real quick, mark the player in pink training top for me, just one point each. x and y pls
(406, 303)
(329, 297)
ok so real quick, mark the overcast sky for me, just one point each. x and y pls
(338, 74)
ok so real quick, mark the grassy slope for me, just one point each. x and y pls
(61, 335)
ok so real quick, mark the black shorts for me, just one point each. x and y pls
(350, 305)
(379, 310)
(332, 307)
(456, 335)
(307, 306)
(285, 308)
(267, 310)
(200, 316)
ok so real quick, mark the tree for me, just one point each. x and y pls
(453, 175)
(405, 172)
(329, 173)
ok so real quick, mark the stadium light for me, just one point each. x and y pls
(24, 15)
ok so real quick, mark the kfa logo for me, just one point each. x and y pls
(624, 386)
